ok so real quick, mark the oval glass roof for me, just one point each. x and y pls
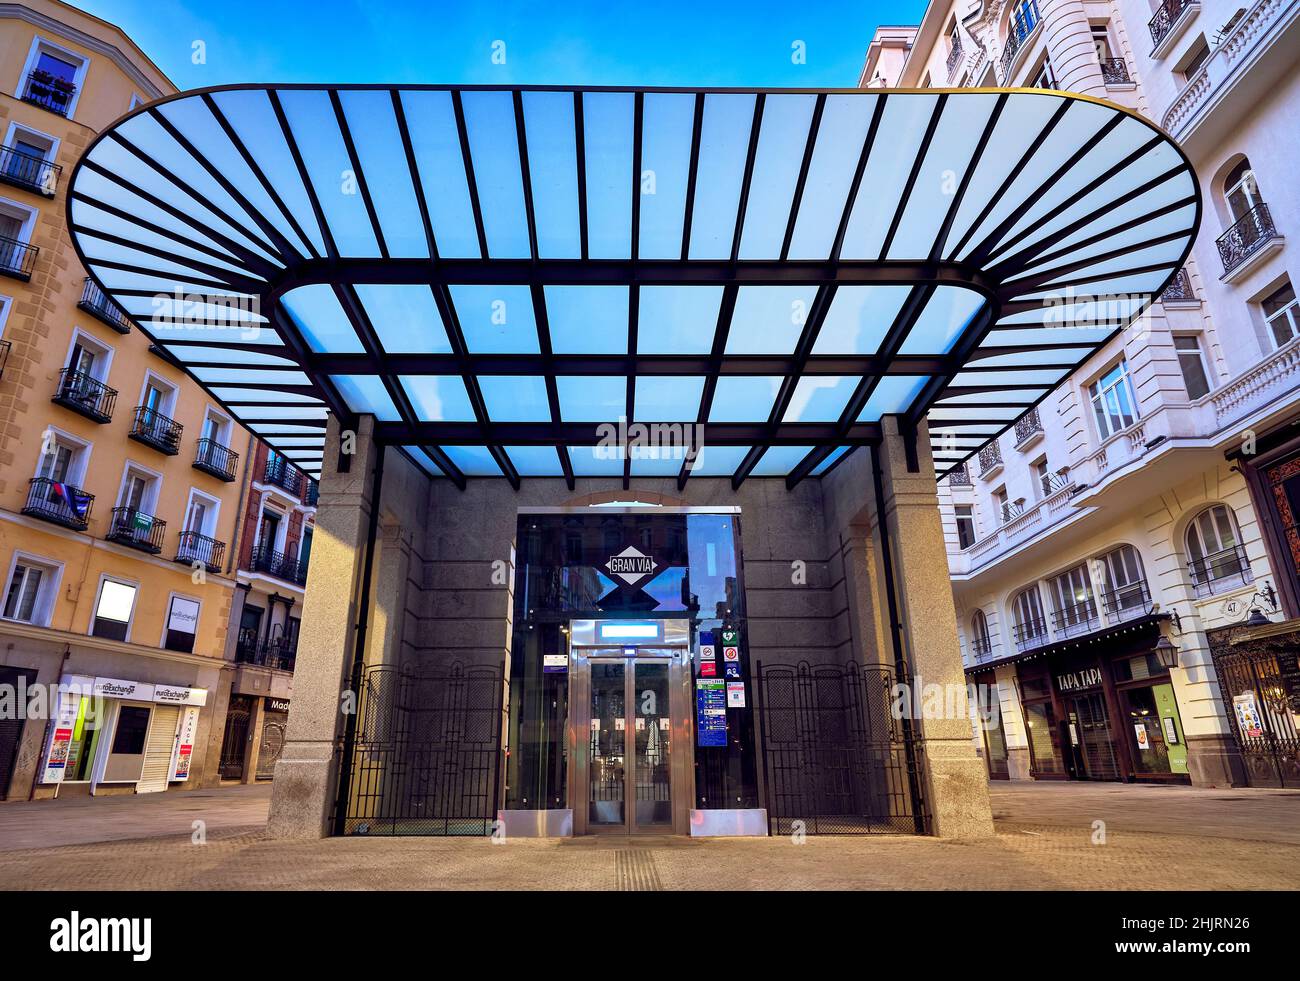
(505, 276)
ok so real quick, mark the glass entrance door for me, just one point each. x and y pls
(630, 782)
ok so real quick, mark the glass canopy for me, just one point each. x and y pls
(501, 275)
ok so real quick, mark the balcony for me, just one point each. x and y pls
(283, 474)
(954, 58)
(28, 171)
(1168, 23)
(1179, 291)
(152, 428)
(50, 92)
(1076, 619)
(1023, 23)
(960, 477)
(214, 459)
(1012, 510)
(194, 547)
(1029, 429)
(990, 459)
(95, 303)
(981, 647)
(1126, 602)
(313, 493)
(276, 654)
(85, 395)
(134, 528)
(17, 259)
(1030, 634)
(278, 564)
(1252, 237)
(1114, 71)
(1220, 571)
(59, 503)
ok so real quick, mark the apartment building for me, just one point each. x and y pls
(1124, 557)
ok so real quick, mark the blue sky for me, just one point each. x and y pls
(675, 42)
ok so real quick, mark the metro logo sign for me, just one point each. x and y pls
(631, 566)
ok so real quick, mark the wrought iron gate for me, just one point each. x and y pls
(834, 756)
(234, 744)
(427, 753)
(1260, 709)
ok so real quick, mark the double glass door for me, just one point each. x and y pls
(631, 759)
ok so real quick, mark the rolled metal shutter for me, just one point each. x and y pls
(158, 749)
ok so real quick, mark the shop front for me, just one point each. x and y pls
(1258, 666)
(1102, 710)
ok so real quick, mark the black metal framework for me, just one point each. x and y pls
(58, 502)
(834, 757)
(1030, 634)
(1007, 261)
(1126, 602)
(990, 457)
(1179, 289)
(17, 258)
(427, 754)
(1027, 426)
(215, 459)
(85, 395)
(954, 57)
(278, 653)
(1022, 23)
(1225, 569)
(1114, 71)
(1251, 231)
(1075, 619)
(283, 474)
(1166, 15)
(234, 743)
(136, 529)
(28, 171)
(282, 565)
(94, 302)
(1261, 699)
(195, 547)
(50, 92)
(152, 428)
(312, 497)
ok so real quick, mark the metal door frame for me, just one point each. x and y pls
(681, 760)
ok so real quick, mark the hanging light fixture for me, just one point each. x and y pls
(1167, 653)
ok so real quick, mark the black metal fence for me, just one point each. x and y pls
(835, 758)
(426, 760)
(1257, 682)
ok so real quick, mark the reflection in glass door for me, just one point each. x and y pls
(652, 730)
(607, 776)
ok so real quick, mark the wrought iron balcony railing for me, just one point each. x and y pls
(1220, 571)
(1030, 634)
(95, 303)
(1165, 17)
(28, 171)
(1028, 426)
(312, 497)
(279, 564)
(17, 259)
(1114, 71)
(1011, 510)
(960, 477)
(1022, 24)
(194, 547)
(954, 58)
(981, 647)
(152, 428)
(1126, 602)
(282, 473)
(213, 458)
(1179, 289)
(990, 458)
(276, 654)
(59, 502)
(85, 395)
(133, 527)
(1240, 242)
(49, 92)
(1076, 619)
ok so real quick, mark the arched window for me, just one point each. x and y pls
(1241, 190)
(979, 631)
(1031, 628)
(1215, 557)
(1126, 594)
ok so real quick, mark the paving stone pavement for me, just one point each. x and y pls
(1255, 845)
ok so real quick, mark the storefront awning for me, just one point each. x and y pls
(500, 275)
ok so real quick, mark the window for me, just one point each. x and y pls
(1072, 596)
(1028, 609)
(1126, 590)
(1101, 41)
(182, 624)
(1112, 401)
(1042, 477)
(52, 77)
(1282, 315)
(1216, 559)
(1001, 505)
(132, 727)
(16, 224)
(1044, 77)
(1192, 364)
(1241, 190)
(1023, 20)
(1195, 59)
(965, 515)
(979, 626)
(113, 610)
(30, 595)
(25, 162)
(88, 360)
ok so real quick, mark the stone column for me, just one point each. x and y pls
(1068, 37)
(306, 774)
(955, 778)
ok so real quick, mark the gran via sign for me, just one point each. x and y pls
(631, 566)
(1079, 680)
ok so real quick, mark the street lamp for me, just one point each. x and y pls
(1167, 653)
